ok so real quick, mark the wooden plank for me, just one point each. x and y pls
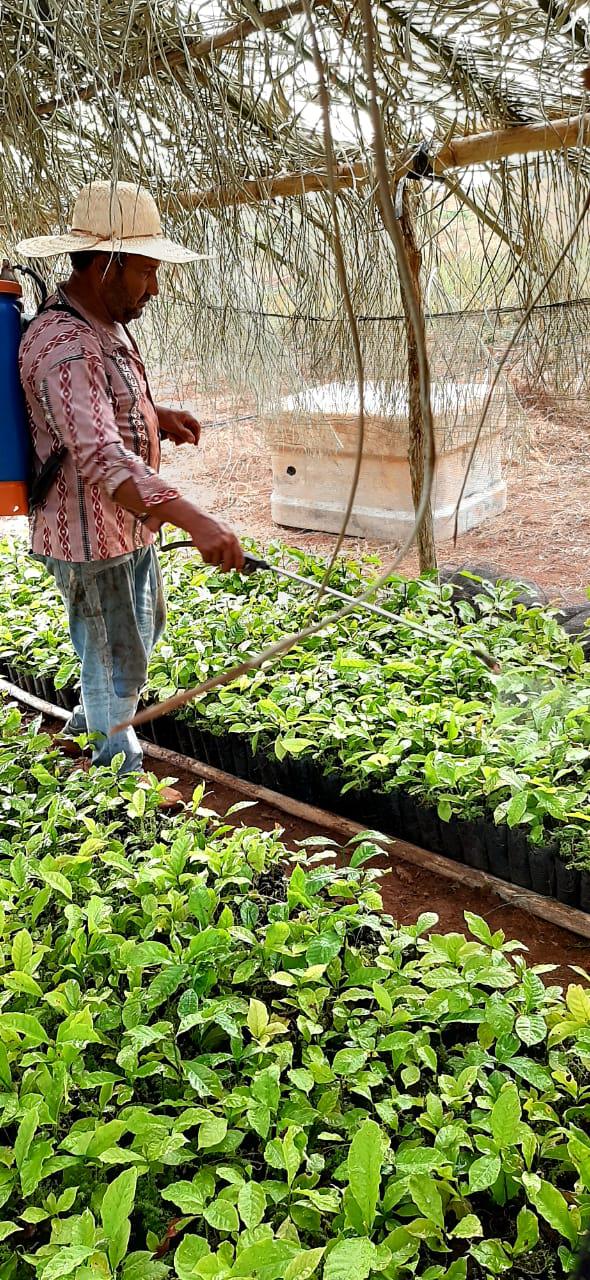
(568, 918)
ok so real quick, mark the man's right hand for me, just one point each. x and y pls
(216, 542)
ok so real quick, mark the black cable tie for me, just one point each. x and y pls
(420, 164)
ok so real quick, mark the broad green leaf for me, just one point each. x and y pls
(203, 1080)
(191, 1197)
(577, 1000)
(484, 1172)
(505, 1117)
(382, 997)
(527, 1232)
(323, 949)
(105, 1136)
(302, 1079)
(66, 1261)
(532, 1072)
(257, 1019)
(350, 1260)
(22, 950)
(304, 1264)
(31, 1171)
(457, 1270)
(5, 1072)
(222, 1215)
(259, 1118)
(552, 1206)
(469, 1227)
(25, 1135)
(348, 1061)
(212, 1131)
(26, 1025)
(291, 1154)
(8, 1228)
(60, 885)
(492, 1256)
(365, 1159)
(141, 1266)
(531, 1028)
(266, 1258)
(23, 983)
(118, 1201)
(164, 985)
(190, 1251)
(479, 928)
(251, 1203)
(266, 1087)
(77, 1029)
(35, 1214)
(427, 1197)
(579, 1154)
(140, 955)
(517, 808)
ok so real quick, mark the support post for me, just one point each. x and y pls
(420, 446)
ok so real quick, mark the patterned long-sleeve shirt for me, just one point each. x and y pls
(86, 388)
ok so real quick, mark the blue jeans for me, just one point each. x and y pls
(116, 613)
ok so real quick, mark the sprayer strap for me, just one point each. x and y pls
(46, 476)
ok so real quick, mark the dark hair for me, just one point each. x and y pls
(83, 260)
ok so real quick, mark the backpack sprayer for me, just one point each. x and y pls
(15, 461)
(20, 489)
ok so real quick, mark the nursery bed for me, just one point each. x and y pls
(498, 850)
(416, 880)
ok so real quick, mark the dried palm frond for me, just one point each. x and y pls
(189, 95)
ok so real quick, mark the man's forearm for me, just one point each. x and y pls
(175, 512)
(217, 544)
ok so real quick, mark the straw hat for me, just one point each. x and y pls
(112, 218)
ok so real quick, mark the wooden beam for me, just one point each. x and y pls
(256, 190)
(192, 51)
(523, 139)
(478, 148)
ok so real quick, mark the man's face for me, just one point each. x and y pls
(126, 288)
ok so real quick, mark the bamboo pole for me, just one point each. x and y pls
(479, 148)
(484, 148)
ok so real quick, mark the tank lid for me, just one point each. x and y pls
(8, 280)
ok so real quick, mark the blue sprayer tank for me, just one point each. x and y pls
(15, 445)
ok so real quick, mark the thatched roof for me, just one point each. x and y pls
(198, 100)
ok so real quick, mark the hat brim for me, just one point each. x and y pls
(75, 242)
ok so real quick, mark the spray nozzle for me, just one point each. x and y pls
(488, 660)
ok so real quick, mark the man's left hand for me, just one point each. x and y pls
(179, 426)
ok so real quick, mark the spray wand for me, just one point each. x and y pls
(254, 564)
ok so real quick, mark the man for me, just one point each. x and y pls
(87, 396)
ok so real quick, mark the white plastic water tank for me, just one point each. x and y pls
(313, 441)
